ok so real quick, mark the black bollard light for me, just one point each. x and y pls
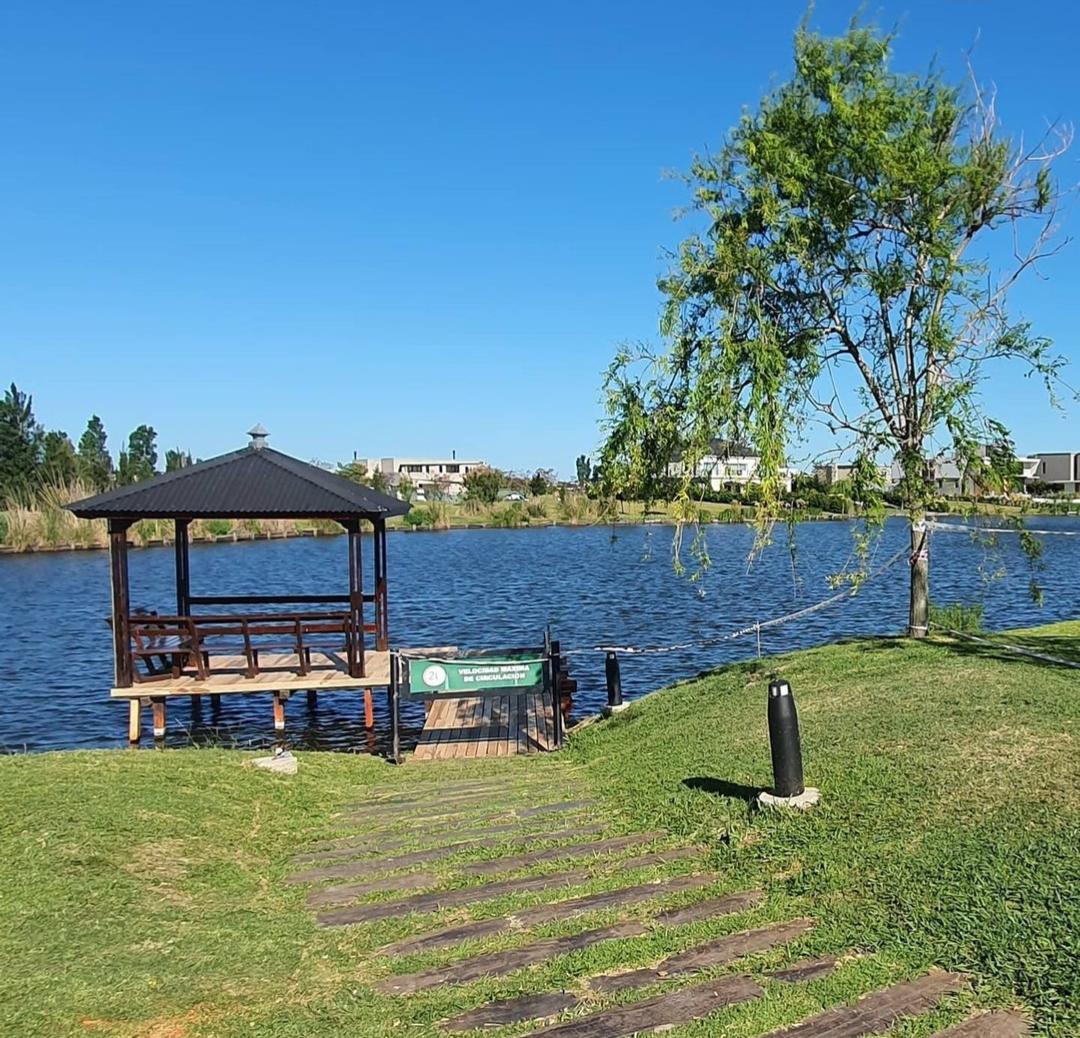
(784, 740)
(614, 680)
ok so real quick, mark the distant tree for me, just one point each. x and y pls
(406, 490)
(139, 461)
(861, 231)
(584, 469)
(176, 459)
(21, 442)
(483, 484)
(93, 463)
(59, 462)
(541, 482)
(358, 472)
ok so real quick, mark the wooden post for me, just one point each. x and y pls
(158, 704)
(279, 713)
(312, 699)
(134, 720)
(369, 710)
(183, 570)
(382, 642)
(121, 602)
(356, 599)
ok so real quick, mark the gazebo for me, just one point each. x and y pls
(218, 644)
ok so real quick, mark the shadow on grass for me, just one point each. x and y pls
(1060, 648)
(1063, 649)
(722, 788)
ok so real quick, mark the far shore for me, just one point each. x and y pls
(281, 530)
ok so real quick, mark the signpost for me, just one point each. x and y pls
(472, 673)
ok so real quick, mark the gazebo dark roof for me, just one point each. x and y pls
(255, 482)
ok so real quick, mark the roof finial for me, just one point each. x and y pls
(258, 437)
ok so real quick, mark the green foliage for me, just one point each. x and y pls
(850, 220)
(21, 442)
(59, 462)
(483, 485)
(94, 462)
(512, 515)
(958, 616)
(217, 527)
(541, 482)
(420, 517)
(583, 469)
(406, 490)
(139, 461)
(357, 471)
(176, 459)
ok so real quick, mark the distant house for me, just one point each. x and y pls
(1061, 471)
(727, 466)
(432, 477)
(835, 472)
(951, 479)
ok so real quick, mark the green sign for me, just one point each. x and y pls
(465, 676)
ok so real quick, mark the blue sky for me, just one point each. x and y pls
(392, 228)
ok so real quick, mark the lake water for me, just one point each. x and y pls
(487, 588)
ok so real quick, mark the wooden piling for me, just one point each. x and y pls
(279, 712)
(158, 705)
(312, 699)
(369, 709)
(134, 720)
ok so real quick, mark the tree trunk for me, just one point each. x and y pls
(919, 607)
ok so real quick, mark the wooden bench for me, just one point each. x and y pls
(169, 644)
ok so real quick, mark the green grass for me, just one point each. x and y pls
(143, 893)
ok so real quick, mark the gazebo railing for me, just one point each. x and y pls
(170, 644)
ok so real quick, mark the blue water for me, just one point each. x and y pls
(488, 588)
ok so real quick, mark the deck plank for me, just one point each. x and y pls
(494, 726)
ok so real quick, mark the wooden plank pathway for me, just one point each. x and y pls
(434, 851)
(495, 726)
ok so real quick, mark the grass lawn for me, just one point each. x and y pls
(142, 893)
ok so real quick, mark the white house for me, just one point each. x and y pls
(728, 466)
(432, 477)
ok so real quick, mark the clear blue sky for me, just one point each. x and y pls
(405, 228)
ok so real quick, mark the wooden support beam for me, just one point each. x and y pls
(356, 599)
(158, 705)
(183, 571)
(382, 637)
(312, 699)
(279, 712)
(121, 602)
(369, 710)
(134, 720)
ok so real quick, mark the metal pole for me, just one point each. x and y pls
(395, 749)
(784, 740)
(614, 680)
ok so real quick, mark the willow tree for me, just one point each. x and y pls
(860, 232)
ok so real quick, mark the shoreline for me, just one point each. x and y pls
(280, 535)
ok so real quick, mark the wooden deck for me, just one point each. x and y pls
(278, 672)
(496, 726)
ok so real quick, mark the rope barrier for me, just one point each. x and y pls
(1016, 649)
(964, 528)
(754, 628)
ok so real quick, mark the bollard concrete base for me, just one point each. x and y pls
(607, 711)
(803, 802)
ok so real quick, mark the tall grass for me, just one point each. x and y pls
(38, 519)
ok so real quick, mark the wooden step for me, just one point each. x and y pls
(569, 850)
(660, 1013)
(705, 956)
(878, 1011)
(989, 1025)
